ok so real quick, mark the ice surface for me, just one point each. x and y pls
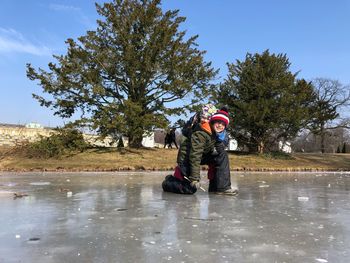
(126, 217)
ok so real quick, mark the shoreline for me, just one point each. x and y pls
(253, 170)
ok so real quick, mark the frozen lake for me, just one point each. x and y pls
(126, 217)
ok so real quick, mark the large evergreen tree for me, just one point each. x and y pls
(122, 76)
(267, 101)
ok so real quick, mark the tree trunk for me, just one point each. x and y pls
(322, 132)
(135, 141)
(261, 147)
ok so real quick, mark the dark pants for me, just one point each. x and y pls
(218, 174)
(169, 143)
(175, 185)
(219, 171)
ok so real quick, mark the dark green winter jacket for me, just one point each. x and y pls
(192, 149)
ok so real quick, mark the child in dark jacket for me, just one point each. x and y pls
(204, 145)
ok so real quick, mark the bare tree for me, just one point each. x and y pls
(308, 142)
(331, 98)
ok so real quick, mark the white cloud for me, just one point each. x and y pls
(58, 7)
(13, 41)
(81, 17)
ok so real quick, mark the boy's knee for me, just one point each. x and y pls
(174, 185)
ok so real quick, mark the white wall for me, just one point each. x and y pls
(232, 144)
(148, 141)
(285, 147)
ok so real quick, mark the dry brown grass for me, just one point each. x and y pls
(95, 160)
(165, 159)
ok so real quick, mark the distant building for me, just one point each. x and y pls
(12, 135)
(148, 140)
(232, 144)
(285, 147)
(34, 125)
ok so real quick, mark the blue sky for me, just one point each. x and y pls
(313, 33)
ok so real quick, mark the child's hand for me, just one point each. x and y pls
(219, 147)
(196, 184)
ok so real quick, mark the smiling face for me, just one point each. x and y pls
(219, 126)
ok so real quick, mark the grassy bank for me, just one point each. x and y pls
(165, 159)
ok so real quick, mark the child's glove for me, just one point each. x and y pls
(195, 184)
(219, 147)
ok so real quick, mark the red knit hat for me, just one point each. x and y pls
(220, 115)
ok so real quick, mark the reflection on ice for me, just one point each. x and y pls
(40, 183)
